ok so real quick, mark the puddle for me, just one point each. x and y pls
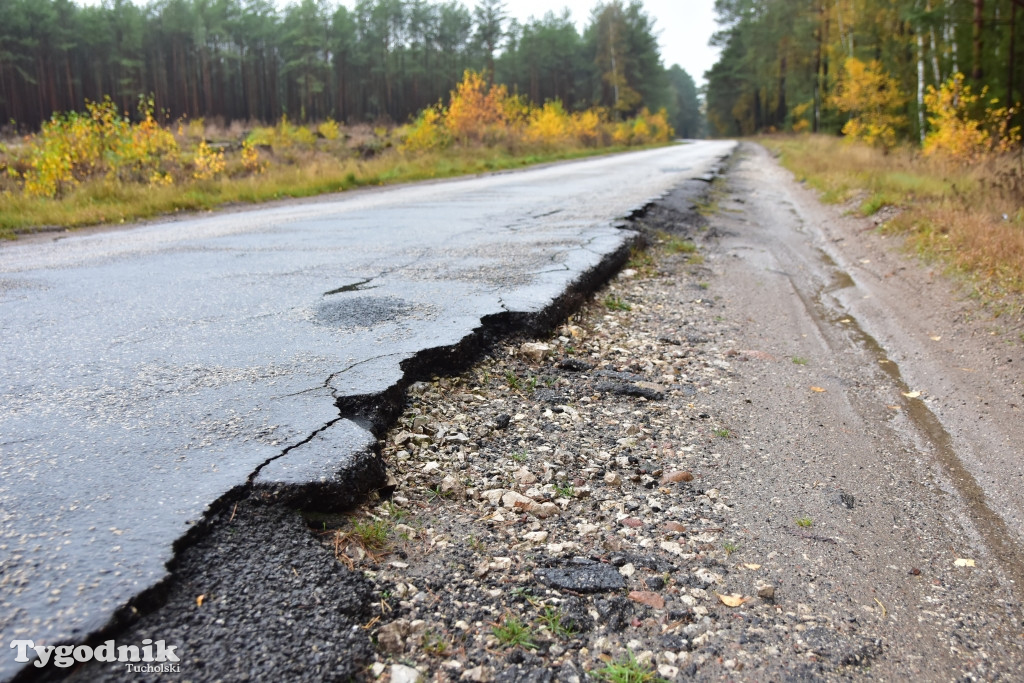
(997, 536)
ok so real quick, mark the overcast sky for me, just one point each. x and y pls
(685, 27)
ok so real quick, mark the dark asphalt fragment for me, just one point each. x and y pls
(582, 575)
(259, 598)
(624, 389)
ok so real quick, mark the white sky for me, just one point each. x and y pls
(685, 27)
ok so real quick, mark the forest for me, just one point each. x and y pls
(380, 61)
(812, 65)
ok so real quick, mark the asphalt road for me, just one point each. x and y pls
(148, 372)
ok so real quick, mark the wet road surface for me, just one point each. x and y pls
(148, 372)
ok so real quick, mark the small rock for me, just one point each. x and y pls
(612, 479)
(391, 637)
(648, 598)
(378, 669)
(478, 674)
(451, 485)
(493, 496)
(672, 547)
(534, 351)
(515, 500)
(404, 674)
(707, 577)
(675, 526)
(544, 510)
(632, 522)
(525, 477)
(765, 591)
(431, 466)
(676, 476)
(668, 671)
(536, 536)
(627, 570)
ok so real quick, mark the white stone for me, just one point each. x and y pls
(493, 496)
(404, 674)
(671, 547)
(627, 570)
(536, 536)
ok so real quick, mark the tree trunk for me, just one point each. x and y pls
(920, 86)
(979, 7)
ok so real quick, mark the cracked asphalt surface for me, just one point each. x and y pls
(148, 373)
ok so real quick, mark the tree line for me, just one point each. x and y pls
(313, 60)
(791, 64)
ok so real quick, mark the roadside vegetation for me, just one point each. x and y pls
(964, 214)
(101, 166)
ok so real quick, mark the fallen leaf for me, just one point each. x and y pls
(648, 598)
(733, 600)
(893, 407)
(846, 320)
(199, 600)
(751, 566)
(818, 389)
(865, 260)
(937, 338)
(963, 562)
(911, 394)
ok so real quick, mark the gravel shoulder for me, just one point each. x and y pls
(708, 469)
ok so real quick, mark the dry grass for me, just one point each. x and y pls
(968, 217)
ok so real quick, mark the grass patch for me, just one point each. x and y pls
(614, 303)
(968, 218)
(627, 669)
(551, 619)
(512, 632)
(805, 522)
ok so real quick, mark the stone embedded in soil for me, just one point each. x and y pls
(535, 351)
(582, 576)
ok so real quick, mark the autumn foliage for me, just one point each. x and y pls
(479, 114)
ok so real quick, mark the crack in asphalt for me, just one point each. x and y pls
(259, 468)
